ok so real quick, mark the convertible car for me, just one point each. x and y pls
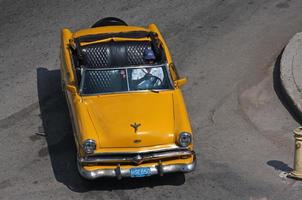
(126, 107)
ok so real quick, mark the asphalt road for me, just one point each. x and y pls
(227, 49)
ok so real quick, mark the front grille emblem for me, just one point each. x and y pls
(138, 159)
(135, 126)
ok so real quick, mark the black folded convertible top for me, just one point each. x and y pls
(131, 34)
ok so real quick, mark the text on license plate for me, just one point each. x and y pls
(140, 172)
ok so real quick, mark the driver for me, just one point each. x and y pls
(149, 56)
(151, 75)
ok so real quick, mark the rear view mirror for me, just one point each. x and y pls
(180, 82)
(71, 88)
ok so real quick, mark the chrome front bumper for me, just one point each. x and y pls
(121, 173)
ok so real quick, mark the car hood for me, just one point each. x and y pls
(116, 116)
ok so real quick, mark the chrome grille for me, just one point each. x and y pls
(135, 158)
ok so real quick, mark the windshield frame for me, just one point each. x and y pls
(164, 65)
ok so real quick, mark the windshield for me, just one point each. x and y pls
(97, 81)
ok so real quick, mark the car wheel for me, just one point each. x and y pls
(109, 21)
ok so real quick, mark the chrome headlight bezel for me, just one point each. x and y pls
(184, 139)
(89, 146)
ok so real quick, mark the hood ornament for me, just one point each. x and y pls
(135, 126)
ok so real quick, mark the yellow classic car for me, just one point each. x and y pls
(127, 110)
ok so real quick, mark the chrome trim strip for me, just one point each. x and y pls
(144, 151)
(170, 77)
(119, 172)
(128, 86)
(135, 158)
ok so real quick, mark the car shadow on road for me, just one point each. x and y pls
(61, 146)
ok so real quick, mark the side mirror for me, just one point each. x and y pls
(180, 82)
(71, 88)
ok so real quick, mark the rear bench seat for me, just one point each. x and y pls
(114, 54)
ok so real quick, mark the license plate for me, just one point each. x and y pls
(140, 172)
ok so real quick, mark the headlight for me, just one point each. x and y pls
(184, 139)
(89, 146)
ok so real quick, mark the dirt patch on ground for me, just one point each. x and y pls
(264, 110)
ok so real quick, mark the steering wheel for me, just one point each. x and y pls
(149, 81)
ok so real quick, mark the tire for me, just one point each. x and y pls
(109, 21)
